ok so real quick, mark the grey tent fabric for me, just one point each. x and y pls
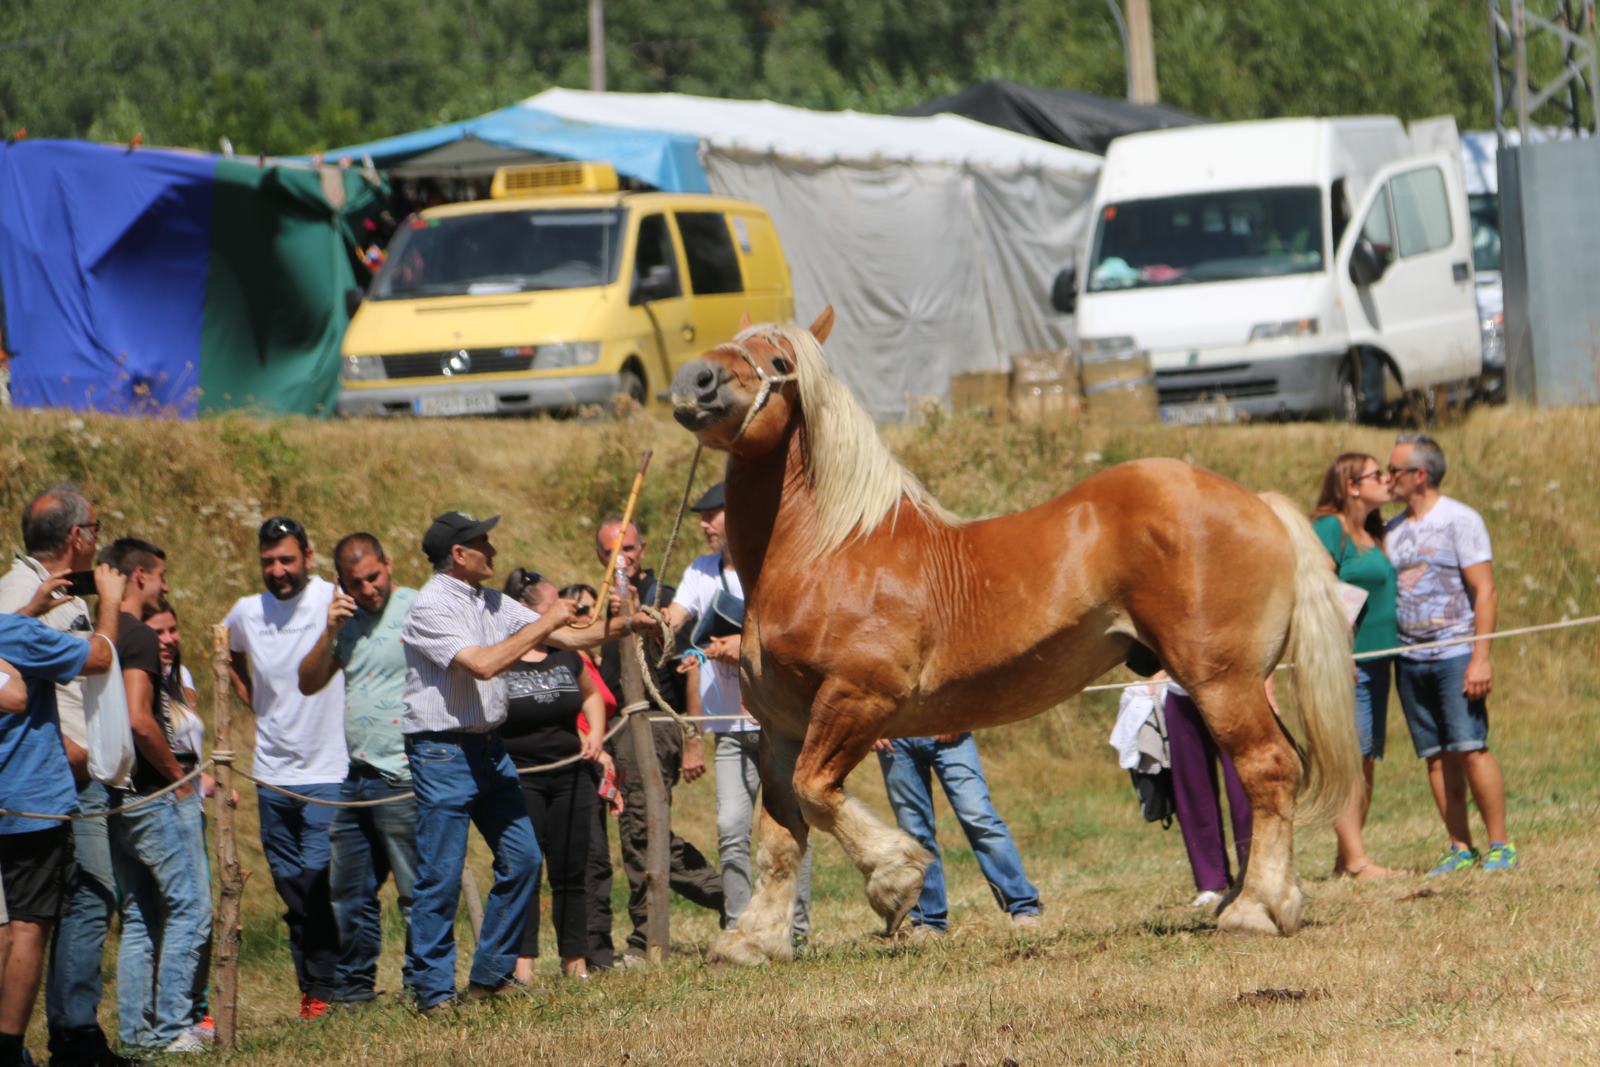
(934, 270)
(1061, 116)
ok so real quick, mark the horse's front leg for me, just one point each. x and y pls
(845, 721)
(763, 931)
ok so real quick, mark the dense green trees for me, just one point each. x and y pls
(286, 76)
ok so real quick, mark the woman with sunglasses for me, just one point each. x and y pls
(548, 690)
(1348, 522)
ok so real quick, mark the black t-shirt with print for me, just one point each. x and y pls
(542, 709)
(140, 650)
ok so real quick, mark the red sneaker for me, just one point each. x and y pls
(311, 1007)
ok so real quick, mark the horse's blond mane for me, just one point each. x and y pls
(855, 480)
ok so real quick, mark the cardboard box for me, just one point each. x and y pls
(983, 392)
(1120, 388)
(1043, 386)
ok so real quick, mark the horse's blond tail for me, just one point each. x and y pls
(1318, 648)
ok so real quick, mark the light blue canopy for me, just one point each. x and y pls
(669, 161)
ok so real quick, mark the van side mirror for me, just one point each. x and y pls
(1366, 266)
(658, 283)
(1064, 291)
(352, 300)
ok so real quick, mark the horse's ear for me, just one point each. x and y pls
(824, 324)
(744, 320)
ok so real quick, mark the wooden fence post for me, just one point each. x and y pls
(228, 932)
(658, 848)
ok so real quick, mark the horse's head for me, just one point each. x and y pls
(742, 395)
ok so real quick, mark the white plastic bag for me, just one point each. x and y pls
(105, 711)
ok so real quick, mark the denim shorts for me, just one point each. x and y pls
(1372, 704)
(1438, 713)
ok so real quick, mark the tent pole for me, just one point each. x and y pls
(597, 46)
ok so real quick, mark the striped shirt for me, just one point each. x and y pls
(448, 616)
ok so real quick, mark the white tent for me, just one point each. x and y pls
(935, 239)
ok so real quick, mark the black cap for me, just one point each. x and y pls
(451, 529)
(711, 499)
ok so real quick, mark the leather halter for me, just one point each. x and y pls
(762, 394)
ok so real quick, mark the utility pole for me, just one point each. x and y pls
(597, 46)
(1141, 54)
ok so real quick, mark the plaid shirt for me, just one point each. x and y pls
(448, 616)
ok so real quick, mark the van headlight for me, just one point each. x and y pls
(566, 354)
(1269, 331)
(1106, 346)
(363, 369)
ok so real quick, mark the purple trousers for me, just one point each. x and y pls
(1194, 754)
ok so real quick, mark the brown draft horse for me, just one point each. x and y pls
(872, 612)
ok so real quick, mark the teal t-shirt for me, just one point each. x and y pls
(1370, 570)
(374, 665)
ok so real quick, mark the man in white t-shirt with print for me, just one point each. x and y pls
(716, 663)
(299, 746)
(1441, 556)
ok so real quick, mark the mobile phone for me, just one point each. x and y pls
(81, 583)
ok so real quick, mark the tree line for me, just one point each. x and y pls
(293, 76)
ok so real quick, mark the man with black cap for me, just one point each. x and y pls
(710, 598)
(459, 638)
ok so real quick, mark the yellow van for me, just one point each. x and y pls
(558, 291)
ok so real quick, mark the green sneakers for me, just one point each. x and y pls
(1457, 859)
(1501, 857)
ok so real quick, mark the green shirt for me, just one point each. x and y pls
(1367, 569)
(374, 665)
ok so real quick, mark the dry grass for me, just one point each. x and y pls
(1474, 969)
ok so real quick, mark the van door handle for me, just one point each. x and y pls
(1462, 271)
(687, 330)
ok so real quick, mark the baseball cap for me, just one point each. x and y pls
(453, 528)
(711, 499)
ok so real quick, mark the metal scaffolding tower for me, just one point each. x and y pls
(1519, 91)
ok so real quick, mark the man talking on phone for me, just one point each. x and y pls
(362, 640)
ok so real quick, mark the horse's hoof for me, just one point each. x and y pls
(1287, 914)
(740, 949)
(895, 884)
(1247, 916)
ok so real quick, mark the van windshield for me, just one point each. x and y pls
(501, 252)
(1208, 237)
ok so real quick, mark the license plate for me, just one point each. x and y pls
(1194, 414)
(455, 404)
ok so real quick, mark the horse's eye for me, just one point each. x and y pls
(781, 365)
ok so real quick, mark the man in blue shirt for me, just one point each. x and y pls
(36, 854)
(362, 639)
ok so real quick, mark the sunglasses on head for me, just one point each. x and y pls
(522, 579)
(276, 529)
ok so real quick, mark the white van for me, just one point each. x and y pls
(1281, 268)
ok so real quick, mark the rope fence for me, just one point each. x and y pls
(225, 757)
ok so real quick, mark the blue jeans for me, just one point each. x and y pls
(368, 845)
(1372, 704)
(1438, 713)
(72, 991)
(294, 835)
(906, 778)
(166, 920)
(463, 778)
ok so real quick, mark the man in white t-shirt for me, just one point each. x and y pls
(299, 746)
(715, 661)
(1441, 556)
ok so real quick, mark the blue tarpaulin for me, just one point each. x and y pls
(669, 161)
(105, 280)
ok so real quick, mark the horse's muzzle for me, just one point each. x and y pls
(700, 395)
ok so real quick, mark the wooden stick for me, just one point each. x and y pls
(616, 549)
(228, 932)
(658, 841)
(469, 889)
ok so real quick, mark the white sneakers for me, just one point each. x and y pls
(188, 1041)
(1208, 898)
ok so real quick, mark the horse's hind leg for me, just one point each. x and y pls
(1266, 899)
(763, 931)
(844, 725)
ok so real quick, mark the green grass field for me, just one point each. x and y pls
(1474, 969)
